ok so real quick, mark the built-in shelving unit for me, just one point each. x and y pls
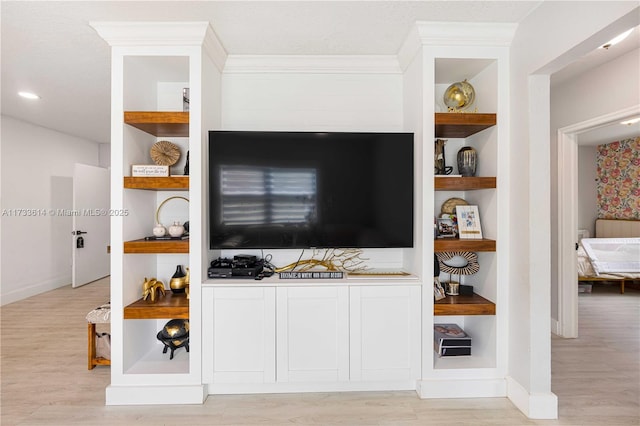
(151, 67)
(169, 306)
(481, 313)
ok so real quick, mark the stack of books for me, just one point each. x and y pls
(451, 340)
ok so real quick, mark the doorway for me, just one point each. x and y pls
(568, 142)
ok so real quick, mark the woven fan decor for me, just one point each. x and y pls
(449, 206)
(472, 266)
(165, 153)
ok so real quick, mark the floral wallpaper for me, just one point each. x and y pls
(618, 168)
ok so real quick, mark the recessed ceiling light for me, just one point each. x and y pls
(28, 95)
(630, 122)
(617, 39)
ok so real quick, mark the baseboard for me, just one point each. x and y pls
(555, 326)
(251, 388)
(33, 289)
(155, 395)
(462, 388)
(534, 406)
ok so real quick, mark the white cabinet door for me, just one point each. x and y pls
(243, 344)
(385, 333)
(313, 334)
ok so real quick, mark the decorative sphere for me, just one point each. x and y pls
(460, 95)
(175, 329)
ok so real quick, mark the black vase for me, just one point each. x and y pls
(178, 281)
(467, 161)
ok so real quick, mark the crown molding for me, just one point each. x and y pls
(137, 34)
(214, 49)
(465, 33)
(425, 33)
(313, 64)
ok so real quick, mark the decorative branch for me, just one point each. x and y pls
(345, 260)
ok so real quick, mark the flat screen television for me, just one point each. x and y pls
(284, 190)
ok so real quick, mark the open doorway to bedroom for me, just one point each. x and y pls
(585, 134)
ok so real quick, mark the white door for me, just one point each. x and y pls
(385, 334)
(91, 224)
(312, 329)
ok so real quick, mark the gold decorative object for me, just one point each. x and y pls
(165, 153)
(165, 202)
(346, 260)
(449, 206)
(149, 288)
(459, 96)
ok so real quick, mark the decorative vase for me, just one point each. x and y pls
(176, 230)
(178, 281)
(159, 230)
(467, 161)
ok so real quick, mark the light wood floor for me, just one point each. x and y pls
(45, 380)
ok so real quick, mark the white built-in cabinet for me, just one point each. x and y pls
(283, 336)
(305, 337)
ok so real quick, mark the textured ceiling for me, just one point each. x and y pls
(48, 47)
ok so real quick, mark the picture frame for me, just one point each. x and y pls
(447, 227)
(438, 290)
(469, 222)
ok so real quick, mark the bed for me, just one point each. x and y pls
(613, 256)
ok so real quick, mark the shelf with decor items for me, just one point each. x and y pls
(170, 306)
(464, 305)
(157, 183)
(142, 246)
(462, 125)
(159, 123)
(461, 183)
(459, 244)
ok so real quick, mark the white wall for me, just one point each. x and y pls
(543, 40)
(587, 192)
(312, 101)
(37, 169)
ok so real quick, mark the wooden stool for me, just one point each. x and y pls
(100, 315)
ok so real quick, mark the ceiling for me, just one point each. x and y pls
(49, 48)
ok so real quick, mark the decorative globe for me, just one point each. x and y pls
(175, 329)
(459, 96)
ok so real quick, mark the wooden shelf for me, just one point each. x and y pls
(457, 244)
(156, 247)
(462, 125)
(464, 305)
(452, 183)
(159, 123)
(167, 183)
(170, 306)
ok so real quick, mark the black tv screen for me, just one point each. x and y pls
(277, 190)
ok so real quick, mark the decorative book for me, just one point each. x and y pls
(469, 222)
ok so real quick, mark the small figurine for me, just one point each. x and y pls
(149, 288)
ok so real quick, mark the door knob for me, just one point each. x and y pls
(78, 232)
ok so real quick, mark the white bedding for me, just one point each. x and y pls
(603, 256)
